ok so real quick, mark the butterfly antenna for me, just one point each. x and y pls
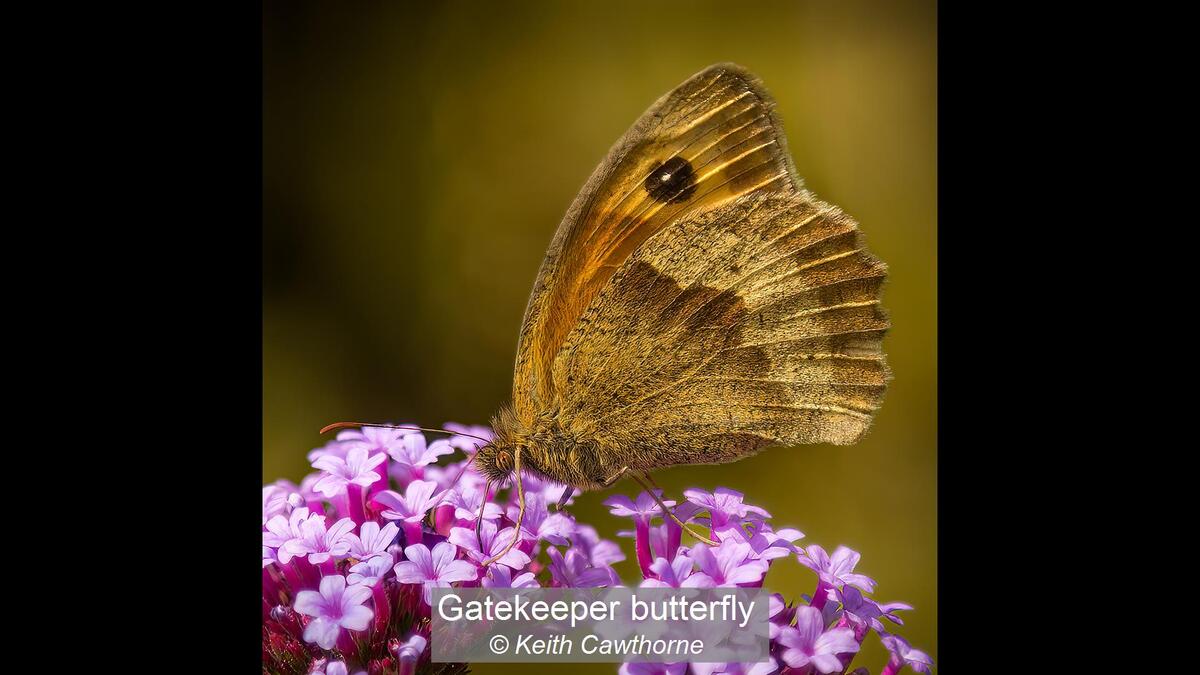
(654, 493)
(454, 483)
(520, 509)
(347, 425)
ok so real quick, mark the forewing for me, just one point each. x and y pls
(712, 139)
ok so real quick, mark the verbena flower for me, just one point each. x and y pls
(334, 607)
(540, 524)
(408, 653)
(500, 576)
(808, 642)
(574, 571)
(372, 540)
(433, 569)
(352, 554)
(489, 543)
(726, 509)
(370, 572)
(411, 454)
(467, 500)
(598, 551)
(904, 655)
(679, 573)
(318, 543)
(837, 569)
(413, 505)
(733, 563)
(358, 468)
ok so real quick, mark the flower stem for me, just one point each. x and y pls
(383, 608)
(642, 544)
(354, 497)
(412, 533)
(820, 595)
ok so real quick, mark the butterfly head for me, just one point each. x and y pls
(496, 461)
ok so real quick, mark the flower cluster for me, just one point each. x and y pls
(821, 635)
(351, 556)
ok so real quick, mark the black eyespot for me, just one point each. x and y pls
(672, 182)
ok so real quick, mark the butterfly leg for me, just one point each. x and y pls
(653, 492)
(520, 510)
(613, 478)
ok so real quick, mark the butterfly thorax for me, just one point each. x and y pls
(548, 450)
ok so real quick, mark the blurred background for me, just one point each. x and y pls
(417, 158)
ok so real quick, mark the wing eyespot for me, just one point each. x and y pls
(674, 181)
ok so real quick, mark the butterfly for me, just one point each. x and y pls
(696, 305)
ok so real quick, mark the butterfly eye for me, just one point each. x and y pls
(504, 461)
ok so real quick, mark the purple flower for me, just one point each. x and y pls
(780, 615)
(358, 467)
(445, 476)
(412, 506)
(676, 574)
(389, 547)
(335, 607)
(599, 552)
(658, 538)
(409, 652)
(411, 453)
(374, 439)
(499, 576)
(642, 511)
(861, 611)
(335, 448)
(281, 530)
(644, 508)
(280, 498)
(725, 509)
(838, 569)
(539, 523)
(729, 564)
(372, 540)
(494, 542)
(433, 569)
(370, 571)
(769, 545)
(318, 543)
(573, 571)
(468, 498)
(809, 643)
(336, 668)
(904, 655)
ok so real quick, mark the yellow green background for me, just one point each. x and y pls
(418, 156)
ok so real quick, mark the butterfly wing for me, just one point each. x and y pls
(712, 139)
(753, 323)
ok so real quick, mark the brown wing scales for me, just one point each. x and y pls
(757, 321)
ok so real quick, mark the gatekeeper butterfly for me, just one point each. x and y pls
(695, 306)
